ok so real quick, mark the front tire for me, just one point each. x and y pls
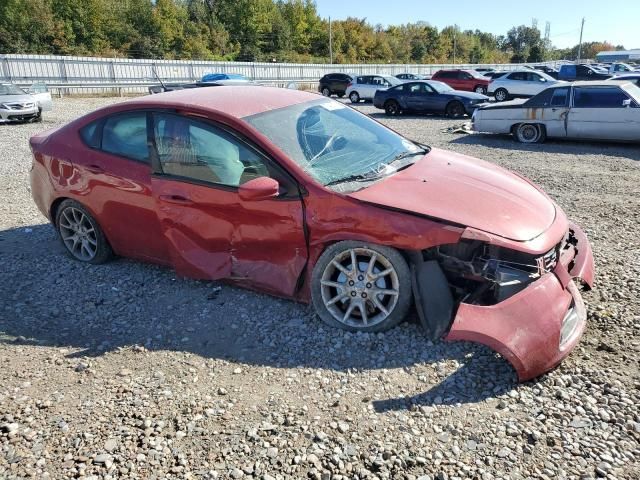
(392, 108)
(80, 234)
(354, 97)
(361, 287)
(501, 95)
(530, 133)
(455, 109)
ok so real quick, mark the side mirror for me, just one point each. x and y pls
(259, 188)
(626, 103)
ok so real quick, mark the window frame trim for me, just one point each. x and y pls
(293, 189)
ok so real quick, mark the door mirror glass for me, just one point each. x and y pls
(626, 103)
(260, 188)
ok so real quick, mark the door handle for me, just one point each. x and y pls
(95, 169)
(177, 199)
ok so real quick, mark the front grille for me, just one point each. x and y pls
(19, 106)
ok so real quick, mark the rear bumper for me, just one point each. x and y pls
(527, 328)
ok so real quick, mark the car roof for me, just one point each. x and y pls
(600, 83)
(237, 101)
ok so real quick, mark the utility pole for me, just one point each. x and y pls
(580, 44)
(330, 42)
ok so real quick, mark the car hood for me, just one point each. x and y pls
(16, 99)
(466, 191)
(469, 95)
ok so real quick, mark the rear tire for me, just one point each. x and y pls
(480, 89)
(530, 133)
(354, 97)
(80, 234)
(392, 108)
(326, 92)
(501, 95)
(455, 109)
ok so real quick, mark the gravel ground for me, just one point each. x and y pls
(126, 371)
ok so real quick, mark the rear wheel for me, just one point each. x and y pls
(340, 95)
(354, 97)
(361, 287)
(80, 233)
(501, 95)
(455, 109)
(530, 133)
(480, 89)
(392, 108)
(326, 92)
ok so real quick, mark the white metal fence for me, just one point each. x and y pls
(95, 73)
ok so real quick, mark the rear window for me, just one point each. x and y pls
(126, 135)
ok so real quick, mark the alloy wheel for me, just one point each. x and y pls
(78, 234)
(360, 287)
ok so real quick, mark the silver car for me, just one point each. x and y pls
(604, 110)
(364, 87)
(18, 105)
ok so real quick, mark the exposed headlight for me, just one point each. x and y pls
(569, 325)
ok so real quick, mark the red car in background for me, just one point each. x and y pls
(465, 80)
(304, 197)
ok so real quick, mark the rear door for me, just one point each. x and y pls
(603, 112)
(210, 231)
(116, 184)
(517, 84)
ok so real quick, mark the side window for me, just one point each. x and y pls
(125, 135)
(361, 80)
(415, 88)
(560, 97)
(598, 97)
(534, 77)
(543, 99)
(195, 150)
(520, 76)
(89, 134)
(464, 76)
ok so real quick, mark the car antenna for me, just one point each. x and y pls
(153, 69)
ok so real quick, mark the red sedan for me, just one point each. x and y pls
(303, 197)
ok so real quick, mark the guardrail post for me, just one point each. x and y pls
(192, 73)
(63, 74)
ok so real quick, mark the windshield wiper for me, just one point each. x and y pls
(355, 178)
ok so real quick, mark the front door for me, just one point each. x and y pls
(555, 115)
(605, 113)
(210, 231)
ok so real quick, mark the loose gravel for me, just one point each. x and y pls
(127, 371)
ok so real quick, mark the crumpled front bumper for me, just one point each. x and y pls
(526, 328)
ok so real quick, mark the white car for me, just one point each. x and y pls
(18, 105)
(521, 83)
(364, 87)
(598, 110)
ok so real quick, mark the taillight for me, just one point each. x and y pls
(349, 84)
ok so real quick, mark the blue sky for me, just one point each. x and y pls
(615, 21)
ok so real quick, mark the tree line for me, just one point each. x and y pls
(253, 30)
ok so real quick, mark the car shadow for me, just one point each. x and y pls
(575, 147)
(51, 300)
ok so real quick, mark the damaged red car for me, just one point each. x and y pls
(306, 198)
